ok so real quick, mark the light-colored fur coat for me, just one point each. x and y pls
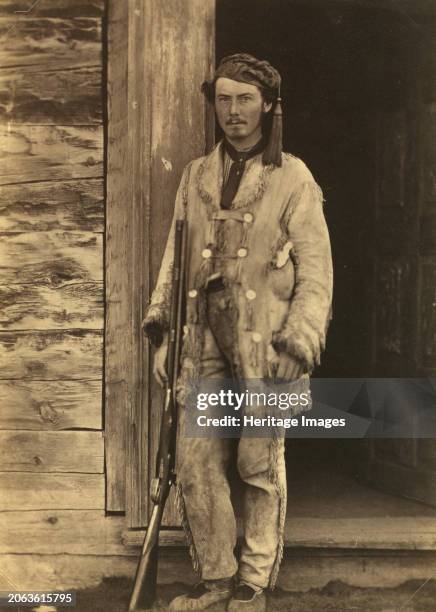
(281, 280)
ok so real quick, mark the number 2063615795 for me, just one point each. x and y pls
(30, 598)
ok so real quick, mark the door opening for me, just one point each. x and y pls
(356, 103)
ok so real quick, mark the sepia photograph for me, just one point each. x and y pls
(218, 305)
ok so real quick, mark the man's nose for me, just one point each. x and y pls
(234, 107)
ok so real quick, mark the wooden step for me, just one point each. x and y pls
(392, 533)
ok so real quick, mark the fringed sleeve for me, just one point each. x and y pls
(156, 320)
(304, 333)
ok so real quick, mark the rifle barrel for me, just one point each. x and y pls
(144, 589)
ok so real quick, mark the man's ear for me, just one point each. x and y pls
(267, 106)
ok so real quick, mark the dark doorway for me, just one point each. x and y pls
(356, 97)
(341, 64)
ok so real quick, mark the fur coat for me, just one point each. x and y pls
(272, 248)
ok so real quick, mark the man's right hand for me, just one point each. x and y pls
(159, 364)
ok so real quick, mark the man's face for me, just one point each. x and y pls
(239, 108)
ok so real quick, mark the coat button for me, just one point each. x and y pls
(206, 253)
(193, 293)
(248, 217)
(242, 252)
(256, 337)
(250, 294)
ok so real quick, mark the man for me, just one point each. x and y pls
(259, 289)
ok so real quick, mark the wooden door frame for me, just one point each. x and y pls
(154, 66)
(123, 388)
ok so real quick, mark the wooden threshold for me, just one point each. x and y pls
(393, 533)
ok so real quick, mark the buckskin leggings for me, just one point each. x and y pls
(204, 495)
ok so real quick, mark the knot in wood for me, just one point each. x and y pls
(48, 413)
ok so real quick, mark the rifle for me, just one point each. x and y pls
(144, 589)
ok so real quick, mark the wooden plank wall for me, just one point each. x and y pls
(51, 281)
(54, 268)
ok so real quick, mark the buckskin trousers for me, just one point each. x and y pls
(204, 495)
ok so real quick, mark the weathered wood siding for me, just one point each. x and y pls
(79, 252)
(52, 478)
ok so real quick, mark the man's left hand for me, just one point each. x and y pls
(289, 367)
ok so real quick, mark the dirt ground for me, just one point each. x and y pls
(112, 595)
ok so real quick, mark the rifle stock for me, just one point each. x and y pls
(144, 588)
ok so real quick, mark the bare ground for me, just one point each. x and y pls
(112, 595)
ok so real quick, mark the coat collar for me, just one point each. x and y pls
(210, 180)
